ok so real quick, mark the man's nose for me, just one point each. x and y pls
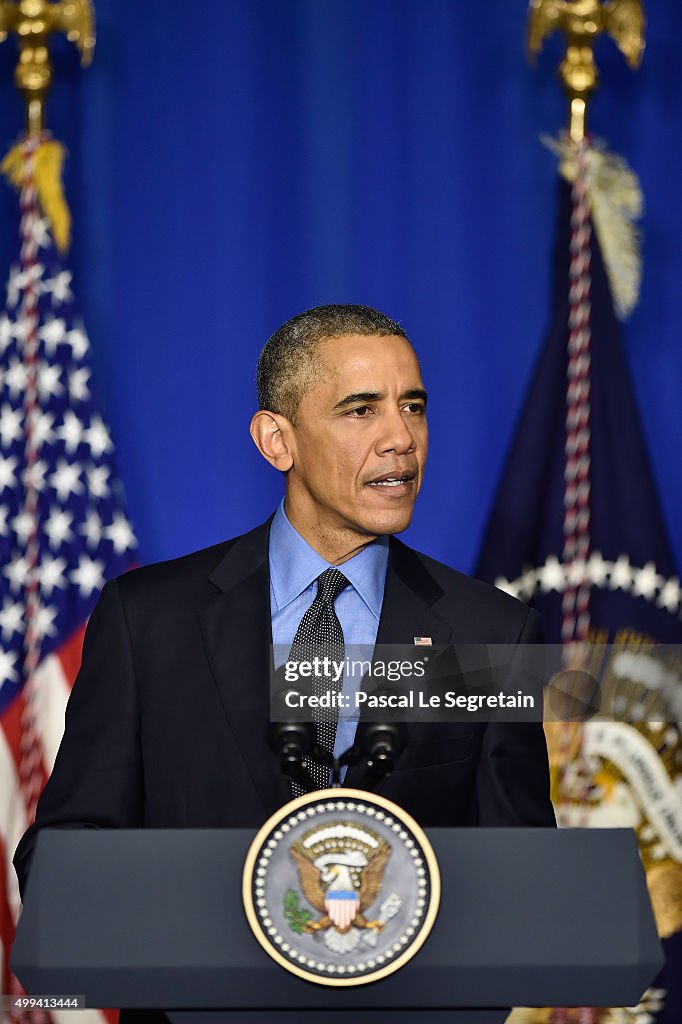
(396, 435)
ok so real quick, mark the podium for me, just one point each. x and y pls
(154, 919)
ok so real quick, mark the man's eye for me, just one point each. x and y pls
(360, 412)
(416, 408)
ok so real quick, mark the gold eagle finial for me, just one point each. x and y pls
(33, 22)
(582, 22)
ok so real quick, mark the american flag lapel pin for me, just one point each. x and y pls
(423, 641)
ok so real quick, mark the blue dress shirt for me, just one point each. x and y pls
(294, 568)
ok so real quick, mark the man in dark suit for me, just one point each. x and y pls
(166, 725)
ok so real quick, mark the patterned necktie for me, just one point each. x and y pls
(319, 634)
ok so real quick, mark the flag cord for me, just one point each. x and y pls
(575, 608)
(575, 604)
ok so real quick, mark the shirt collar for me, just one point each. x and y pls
(294, 565)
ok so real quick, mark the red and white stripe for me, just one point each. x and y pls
(52, 685)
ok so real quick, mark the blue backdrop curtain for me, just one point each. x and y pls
(232, 163)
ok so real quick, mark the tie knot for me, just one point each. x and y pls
(330, 584)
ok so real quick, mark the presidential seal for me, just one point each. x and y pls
(341, 887)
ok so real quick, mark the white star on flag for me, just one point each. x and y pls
(19, 280)
(52, 334)
(8, 673)
(66, 479)
(51, 574)
(23, 526)
(8, 468)
(34, 475)
(89, 575)
(42, 428)
(59, 286)
(527, 582)
(97, 481)
(97, 437)
(552, 575)
(49, 380)
(58, 527)
(43, 621)
(13, 286)
(598, 569)
(11, 618)
(120, 533)
(576, 572)
(10, 425)
(646, 581)
(6, 333)
(78, 385)
(78, 340)
(670, 595)
(621, 574)
(17, 573)
(22, 330)
(16, 377)
(91, 528)
(71, 432)
(40, 229)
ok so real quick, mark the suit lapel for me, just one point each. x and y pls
(409, 609)
(237, 633)
(411, 596)
(237, 636)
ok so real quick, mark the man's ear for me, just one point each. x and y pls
(270, 433)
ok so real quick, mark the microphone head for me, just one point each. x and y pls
(381, 743)
(289, 737)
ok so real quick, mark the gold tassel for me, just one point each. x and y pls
(616, 202)
(47, 181)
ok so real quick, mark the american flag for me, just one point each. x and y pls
(63, 530)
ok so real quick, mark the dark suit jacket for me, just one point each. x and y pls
(166, 724)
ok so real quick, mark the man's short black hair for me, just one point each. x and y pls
(286, 366)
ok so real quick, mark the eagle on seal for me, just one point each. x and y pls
(329, 885)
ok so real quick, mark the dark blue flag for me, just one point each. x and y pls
(624, 571)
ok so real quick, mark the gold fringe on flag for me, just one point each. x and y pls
(47, 180)
(616, 203)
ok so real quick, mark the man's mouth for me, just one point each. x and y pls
(389, 480)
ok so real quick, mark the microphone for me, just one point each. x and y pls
(379, 744)
(291, 741)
